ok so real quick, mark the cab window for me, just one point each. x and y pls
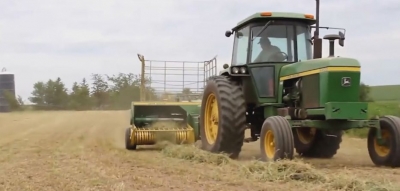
(264, 80)
(280, 42)
(274, 44)
(240, 48)
(303, 43)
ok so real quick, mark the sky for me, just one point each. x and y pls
(43, 39)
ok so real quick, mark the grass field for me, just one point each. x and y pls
(385, 93)
(85, 151)
(377, 109)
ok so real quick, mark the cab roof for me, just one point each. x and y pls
(309, 18)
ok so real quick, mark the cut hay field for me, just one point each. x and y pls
(85, 151)
(385, 93)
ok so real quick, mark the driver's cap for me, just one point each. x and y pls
(264, 40)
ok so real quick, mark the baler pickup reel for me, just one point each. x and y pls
(154, 122)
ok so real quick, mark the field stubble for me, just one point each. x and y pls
(85, 151)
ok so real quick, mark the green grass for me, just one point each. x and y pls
(385, 93)
(377, 109)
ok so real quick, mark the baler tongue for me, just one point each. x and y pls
(156, 122)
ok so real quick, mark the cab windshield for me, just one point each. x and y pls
(280, 42)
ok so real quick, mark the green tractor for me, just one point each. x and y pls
(292, 99)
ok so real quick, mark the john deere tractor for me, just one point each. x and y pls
(279, 86)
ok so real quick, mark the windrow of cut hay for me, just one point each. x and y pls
(285, 171)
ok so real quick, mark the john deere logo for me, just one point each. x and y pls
(346, 81)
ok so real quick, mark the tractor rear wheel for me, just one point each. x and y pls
(223, 117)
(128, 144)
(276, 139)
(387, 154)
(325, 144)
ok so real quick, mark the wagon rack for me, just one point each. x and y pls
(175, 80)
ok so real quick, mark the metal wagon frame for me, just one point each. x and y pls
(170, 78)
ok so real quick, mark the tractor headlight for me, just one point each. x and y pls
(243, 70)
(235, 70)
(239, 70)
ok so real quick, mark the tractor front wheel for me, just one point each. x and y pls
(223, 117)
(388, 152)
(128, 144)
(276, 139)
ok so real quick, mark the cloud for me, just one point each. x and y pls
(72, 39)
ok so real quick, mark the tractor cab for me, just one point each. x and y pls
(272, 38)
(263, 43)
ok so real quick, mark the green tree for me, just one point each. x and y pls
(50, 95)
(80, 96)
(99, 90)
(56, 95)
(150, 92)
(20, 101)
(12, 101)
(85, 94)
(74, 97)
(38, 93)
(364, 92)
(124, 88)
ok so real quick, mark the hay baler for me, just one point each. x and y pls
(290, 97)
(170, 107)
(176, 122)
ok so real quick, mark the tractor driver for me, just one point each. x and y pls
(269, 53)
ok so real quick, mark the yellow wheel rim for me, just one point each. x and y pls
(211, 119)
(382, 150)
(269, 144)
(132, 137)
(306, 135)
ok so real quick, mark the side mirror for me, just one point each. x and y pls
(228, 33)
(341, 39)
(225, 66)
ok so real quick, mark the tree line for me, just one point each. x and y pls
(105, 92)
